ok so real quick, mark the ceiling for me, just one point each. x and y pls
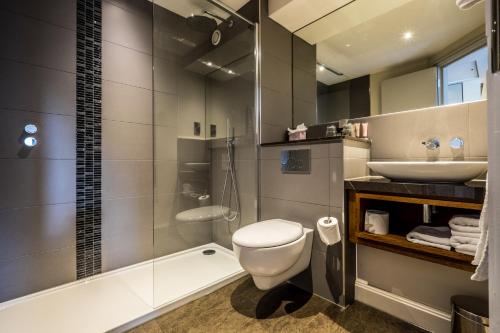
(366, 36)
(185, 8)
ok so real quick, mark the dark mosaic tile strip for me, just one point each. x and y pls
(88, 137)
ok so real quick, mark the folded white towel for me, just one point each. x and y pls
(431, 236)
(464, 228)
(465, 234)
(465, 220)
(469, 248)
(457, 240)
(470, 253)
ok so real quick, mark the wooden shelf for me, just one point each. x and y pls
(399, 244)
(406, 217)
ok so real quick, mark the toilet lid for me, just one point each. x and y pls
(268, 233)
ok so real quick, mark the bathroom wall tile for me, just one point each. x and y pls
(336, 149)
(245, 170)
(166, 206)
(304, 86)
(272, 133)
(276, 74)
(478, 129)
(192, 103)
(192, 150)
(126, 141)
(337, 171)
(410, 128)
(304, 56)
(36, 229)
(128, 28)
(35, 273)
(126, 103)
(181, 236)
(124, 65)
(166, 143)
(126, 215)
(304, 213)
(166, 177)
(356, 152)
(276, 108)
(33, 88)
(56, 135)
(355, 167)
(127, 248)
(304, 112)
(310, 188)
(165, 75)
(29, 42)
(57, 12)
(30, 182)
(166, 108)
(276, 40)
(127, 179)
(317, 151)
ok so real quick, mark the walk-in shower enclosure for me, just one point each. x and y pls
(132, 104)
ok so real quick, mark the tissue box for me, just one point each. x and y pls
(299, 135)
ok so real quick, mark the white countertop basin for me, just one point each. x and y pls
(436, 172)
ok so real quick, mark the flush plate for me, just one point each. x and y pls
(296, 161)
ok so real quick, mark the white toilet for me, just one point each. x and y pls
(273, 251)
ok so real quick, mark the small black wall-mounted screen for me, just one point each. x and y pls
(495, 36)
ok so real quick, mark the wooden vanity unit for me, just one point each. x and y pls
(405, 202)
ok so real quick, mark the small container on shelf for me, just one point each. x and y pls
(298, 133)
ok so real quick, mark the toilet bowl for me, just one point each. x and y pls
(273, 251)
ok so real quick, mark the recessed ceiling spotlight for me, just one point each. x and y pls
(407, 35)
(230, 72)
(347, 45)
(321, 68)
(209, 63)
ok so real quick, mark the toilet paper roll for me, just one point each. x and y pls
(329, 231)
(377, 222)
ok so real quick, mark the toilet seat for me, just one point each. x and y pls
(270, 233)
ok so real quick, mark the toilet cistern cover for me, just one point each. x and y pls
(268, 233)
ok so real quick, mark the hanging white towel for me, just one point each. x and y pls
(481, 255)
(466, 4)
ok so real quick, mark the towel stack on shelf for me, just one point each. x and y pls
(465, 233)
(431, 236)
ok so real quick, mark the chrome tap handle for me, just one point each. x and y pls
(431, 144)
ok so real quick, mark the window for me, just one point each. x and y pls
(464, 79)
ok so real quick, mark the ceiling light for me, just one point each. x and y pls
(321, 68)
(230, 72)
(347, 45)
(209, 63)
(407, 35)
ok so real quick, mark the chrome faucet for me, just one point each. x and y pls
(431, 144)
(456, 143)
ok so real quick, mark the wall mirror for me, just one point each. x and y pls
(377, 57)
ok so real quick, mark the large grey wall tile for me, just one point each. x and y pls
(277, 108)
(304, 85)
(272, 133)
(304, 213)
(165, 75)
(130, 28)
(31, 182)
(478, 133)
(355, 167)
(181, 236)
(276, 40)
(124, 65)
(304, 112)
(337, 177)
(274, 153)
(304, 56)
(310, 188)
(57, 12)
(165, 208)
(126, 141)
(166, 143)
(56, 135)
(35, 273)
(32, 88)
(126, 215)
(127, 179)
(36, 229)
(126, 103)
(276, 74)
(127, 248)
(29, 42)
(166, 177)
(166, 107)
(336, 150)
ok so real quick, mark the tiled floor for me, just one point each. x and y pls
(240, 307)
